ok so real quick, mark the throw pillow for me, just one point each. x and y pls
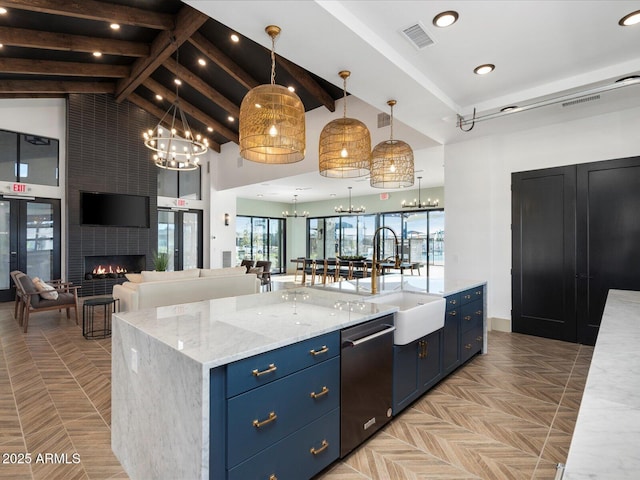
(134, 277)
(47, 294)
(222, 272)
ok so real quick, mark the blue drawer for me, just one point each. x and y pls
(253, 372)
(265, 415)
(293, 457)
(471, 295)
(453, 301)
(471, 343)
(472, 315)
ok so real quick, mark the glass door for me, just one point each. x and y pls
(29, 240)
(180, 237)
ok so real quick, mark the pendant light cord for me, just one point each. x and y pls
(391, 124)
(344, 96)
(273, 60)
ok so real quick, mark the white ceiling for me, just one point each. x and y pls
(541, 49)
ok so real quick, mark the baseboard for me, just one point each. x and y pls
(499, 324)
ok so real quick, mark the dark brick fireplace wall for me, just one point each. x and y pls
(105, 153)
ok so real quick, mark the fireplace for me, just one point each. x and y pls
(112, 266)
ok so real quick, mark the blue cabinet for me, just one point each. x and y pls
(417, 366)
(451, 334)
(283, 411)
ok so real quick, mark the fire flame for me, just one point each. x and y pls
(102, 270)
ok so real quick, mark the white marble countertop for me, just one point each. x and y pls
(394, 282)
(217, 332)
(605, 441)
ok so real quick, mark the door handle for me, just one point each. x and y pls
(353, 343)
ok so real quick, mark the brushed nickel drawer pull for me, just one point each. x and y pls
(468, 346)
(324, 349)
(453, 302)
(324, 446)
(467, 297)
(479, 338)
(478, 292)
(272, 368)
(453, 313)
(478, 312)
(271, 418)
(323, 392)
(273, 477)
(467, 318)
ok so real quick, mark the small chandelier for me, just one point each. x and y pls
(351, 208)
(175, 150)
(392, 162)
(295, 213)
(418, 203)
(272, 122)
(345, 144)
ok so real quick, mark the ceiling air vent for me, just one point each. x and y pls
(417, 35)
(384, 120)
(581, 100)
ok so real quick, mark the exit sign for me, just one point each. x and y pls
(384, 196)
(19, 187)
(180, 202)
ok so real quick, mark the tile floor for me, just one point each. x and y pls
(505, 415)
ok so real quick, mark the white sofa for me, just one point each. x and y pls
(159, 289)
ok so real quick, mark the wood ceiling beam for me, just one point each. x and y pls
(22, 37)
(54, 87)
(71, 69)
(192, 111)
(223, 61)
(203, 87)
(94, 10)
(157, 112)
(188, 21)
(308, 83)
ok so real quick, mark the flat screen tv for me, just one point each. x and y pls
(114, 209)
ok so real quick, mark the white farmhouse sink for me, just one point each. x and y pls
(420, 314)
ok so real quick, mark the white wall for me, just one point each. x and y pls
(478, 186)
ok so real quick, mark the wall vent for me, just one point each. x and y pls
(384, 120)
(417, 35)
(581, 100)
(226, 258)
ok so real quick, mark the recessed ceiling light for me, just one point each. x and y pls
(210, 129)
(235, 38)
(158, 96)
(115, 26)
(202, 61)
(291, 88)
(631, 77)
(509, 108)
(1, 45)
(445, 19)
(97, 54)
(177, 81)
(230, 118)
(3, 11)
(484, 69)
(631, 19)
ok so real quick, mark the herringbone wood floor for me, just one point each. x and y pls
(505, 415)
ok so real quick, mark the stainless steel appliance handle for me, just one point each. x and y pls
(353, 343)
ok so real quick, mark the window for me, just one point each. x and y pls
(420, 235)
(28, 158)
(175, 184)
(261, 238)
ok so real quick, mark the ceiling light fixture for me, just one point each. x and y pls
(392, 161)
(115, 26)
(445, 19)
(419, 203)
(295, 213)
(272, 120)
(509, 108)
(345, 144)
(235, 38)
(97, 54)
(484, 69)
(175, 151)
(351, 208)
(3, 11)
(202, 61)
(630, 19)
(158, 97)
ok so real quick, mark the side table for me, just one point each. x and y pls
(89, 327)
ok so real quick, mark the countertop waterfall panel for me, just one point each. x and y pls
(605, 440)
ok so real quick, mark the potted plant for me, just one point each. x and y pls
(160, 261)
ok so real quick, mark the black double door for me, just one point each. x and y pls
(575, 235)
(29, 240)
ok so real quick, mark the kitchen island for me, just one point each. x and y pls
(175, 387)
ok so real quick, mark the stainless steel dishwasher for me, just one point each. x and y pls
(366, 369)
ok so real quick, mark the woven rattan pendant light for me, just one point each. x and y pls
(392, 162)
(345, 144)
(272, 123)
